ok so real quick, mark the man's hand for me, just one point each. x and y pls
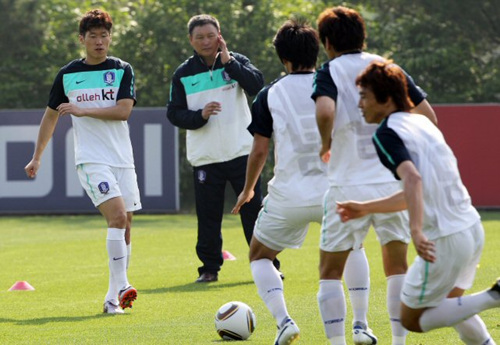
(69, 109)
(224, 52)
(348, 210)
(325, 153)
(425, 248)
(32, 168)
(243, 198)
(212, 108)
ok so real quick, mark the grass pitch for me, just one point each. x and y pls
(65, 259)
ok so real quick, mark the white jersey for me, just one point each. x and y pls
(97, 86)
(285, 111)
(353, 158)
(447, 204)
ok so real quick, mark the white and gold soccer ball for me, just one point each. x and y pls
(235, 321)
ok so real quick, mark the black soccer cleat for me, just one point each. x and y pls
(496, 288)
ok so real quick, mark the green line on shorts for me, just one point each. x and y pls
(88, 182)
(262, 211)
(421, 298)
(323, 227)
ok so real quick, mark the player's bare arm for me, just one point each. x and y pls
(119, 112)
(210, 109)
(413, 193)
(356, 209)
(425, 108)
(256, 161)
(325, 114)
(47, 126)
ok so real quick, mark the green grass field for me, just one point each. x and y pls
(65, 259)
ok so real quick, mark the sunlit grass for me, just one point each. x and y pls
(65, 259)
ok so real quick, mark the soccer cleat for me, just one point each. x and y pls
(362, 335)
(110, 308)
(207, 277)
(126, 296)
(287, 333)
(495, 287)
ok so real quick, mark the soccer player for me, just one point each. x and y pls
(354, 172)
(284, 110)
(207, 98)
(443, 222)
(98, 91)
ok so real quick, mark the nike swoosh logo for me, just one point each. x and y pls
(193, 84)
(79, 81)
(115, 259)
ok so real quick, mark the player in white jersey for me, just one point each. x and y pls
(354, 172)
(284, 111)
(443, 222)
(99, 93)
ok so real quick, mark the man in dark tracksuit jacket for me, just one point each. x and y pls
(207, 98)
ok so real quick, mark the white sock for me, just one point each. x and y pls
(270, 287)
(357, 279)
(454, 310)
(337, 341)
(394, 285)
(129, 253)
(473, 331)
(333, 310)
(117, 253)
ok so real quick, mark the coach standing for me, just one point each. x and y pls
(207, 98)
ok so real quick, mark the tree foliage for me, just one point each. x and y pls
(451, 48)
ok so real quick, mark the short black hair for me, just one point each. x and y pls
(200, 20)
(297, 42)
(95, 19)
(344, 28)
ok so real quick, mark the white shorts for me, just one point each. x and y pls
(280, 227)
(337, 236)
(457, 255)
(103, 182)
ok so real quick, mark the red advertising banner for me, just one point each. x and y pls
(473, 133)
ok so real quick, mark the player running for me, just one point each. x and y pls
(283, 110)
(354, 172)
(446, 229)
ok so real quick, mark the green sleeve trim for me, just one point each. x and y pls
(379, 144)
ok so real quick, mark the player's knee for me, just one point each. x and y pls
(118, 219)
(411, 324)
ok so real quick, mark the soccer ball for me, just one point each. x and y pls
(235, 321)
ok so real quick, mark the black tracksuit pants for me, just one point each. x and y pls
(209, 186)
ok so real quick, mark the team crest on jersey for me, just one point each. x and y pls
(226, 76)
(103, 187)
(109, 77)
(202, 176)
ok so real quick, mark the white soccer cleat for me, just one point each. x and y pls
(363, 336)
(110, 308)
(288, 333)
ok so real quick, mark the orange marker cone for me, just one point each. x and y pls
(228, 256)
(22, 285)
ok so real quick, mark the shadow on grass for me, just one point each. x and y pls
(44, 320)
(194, 287)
